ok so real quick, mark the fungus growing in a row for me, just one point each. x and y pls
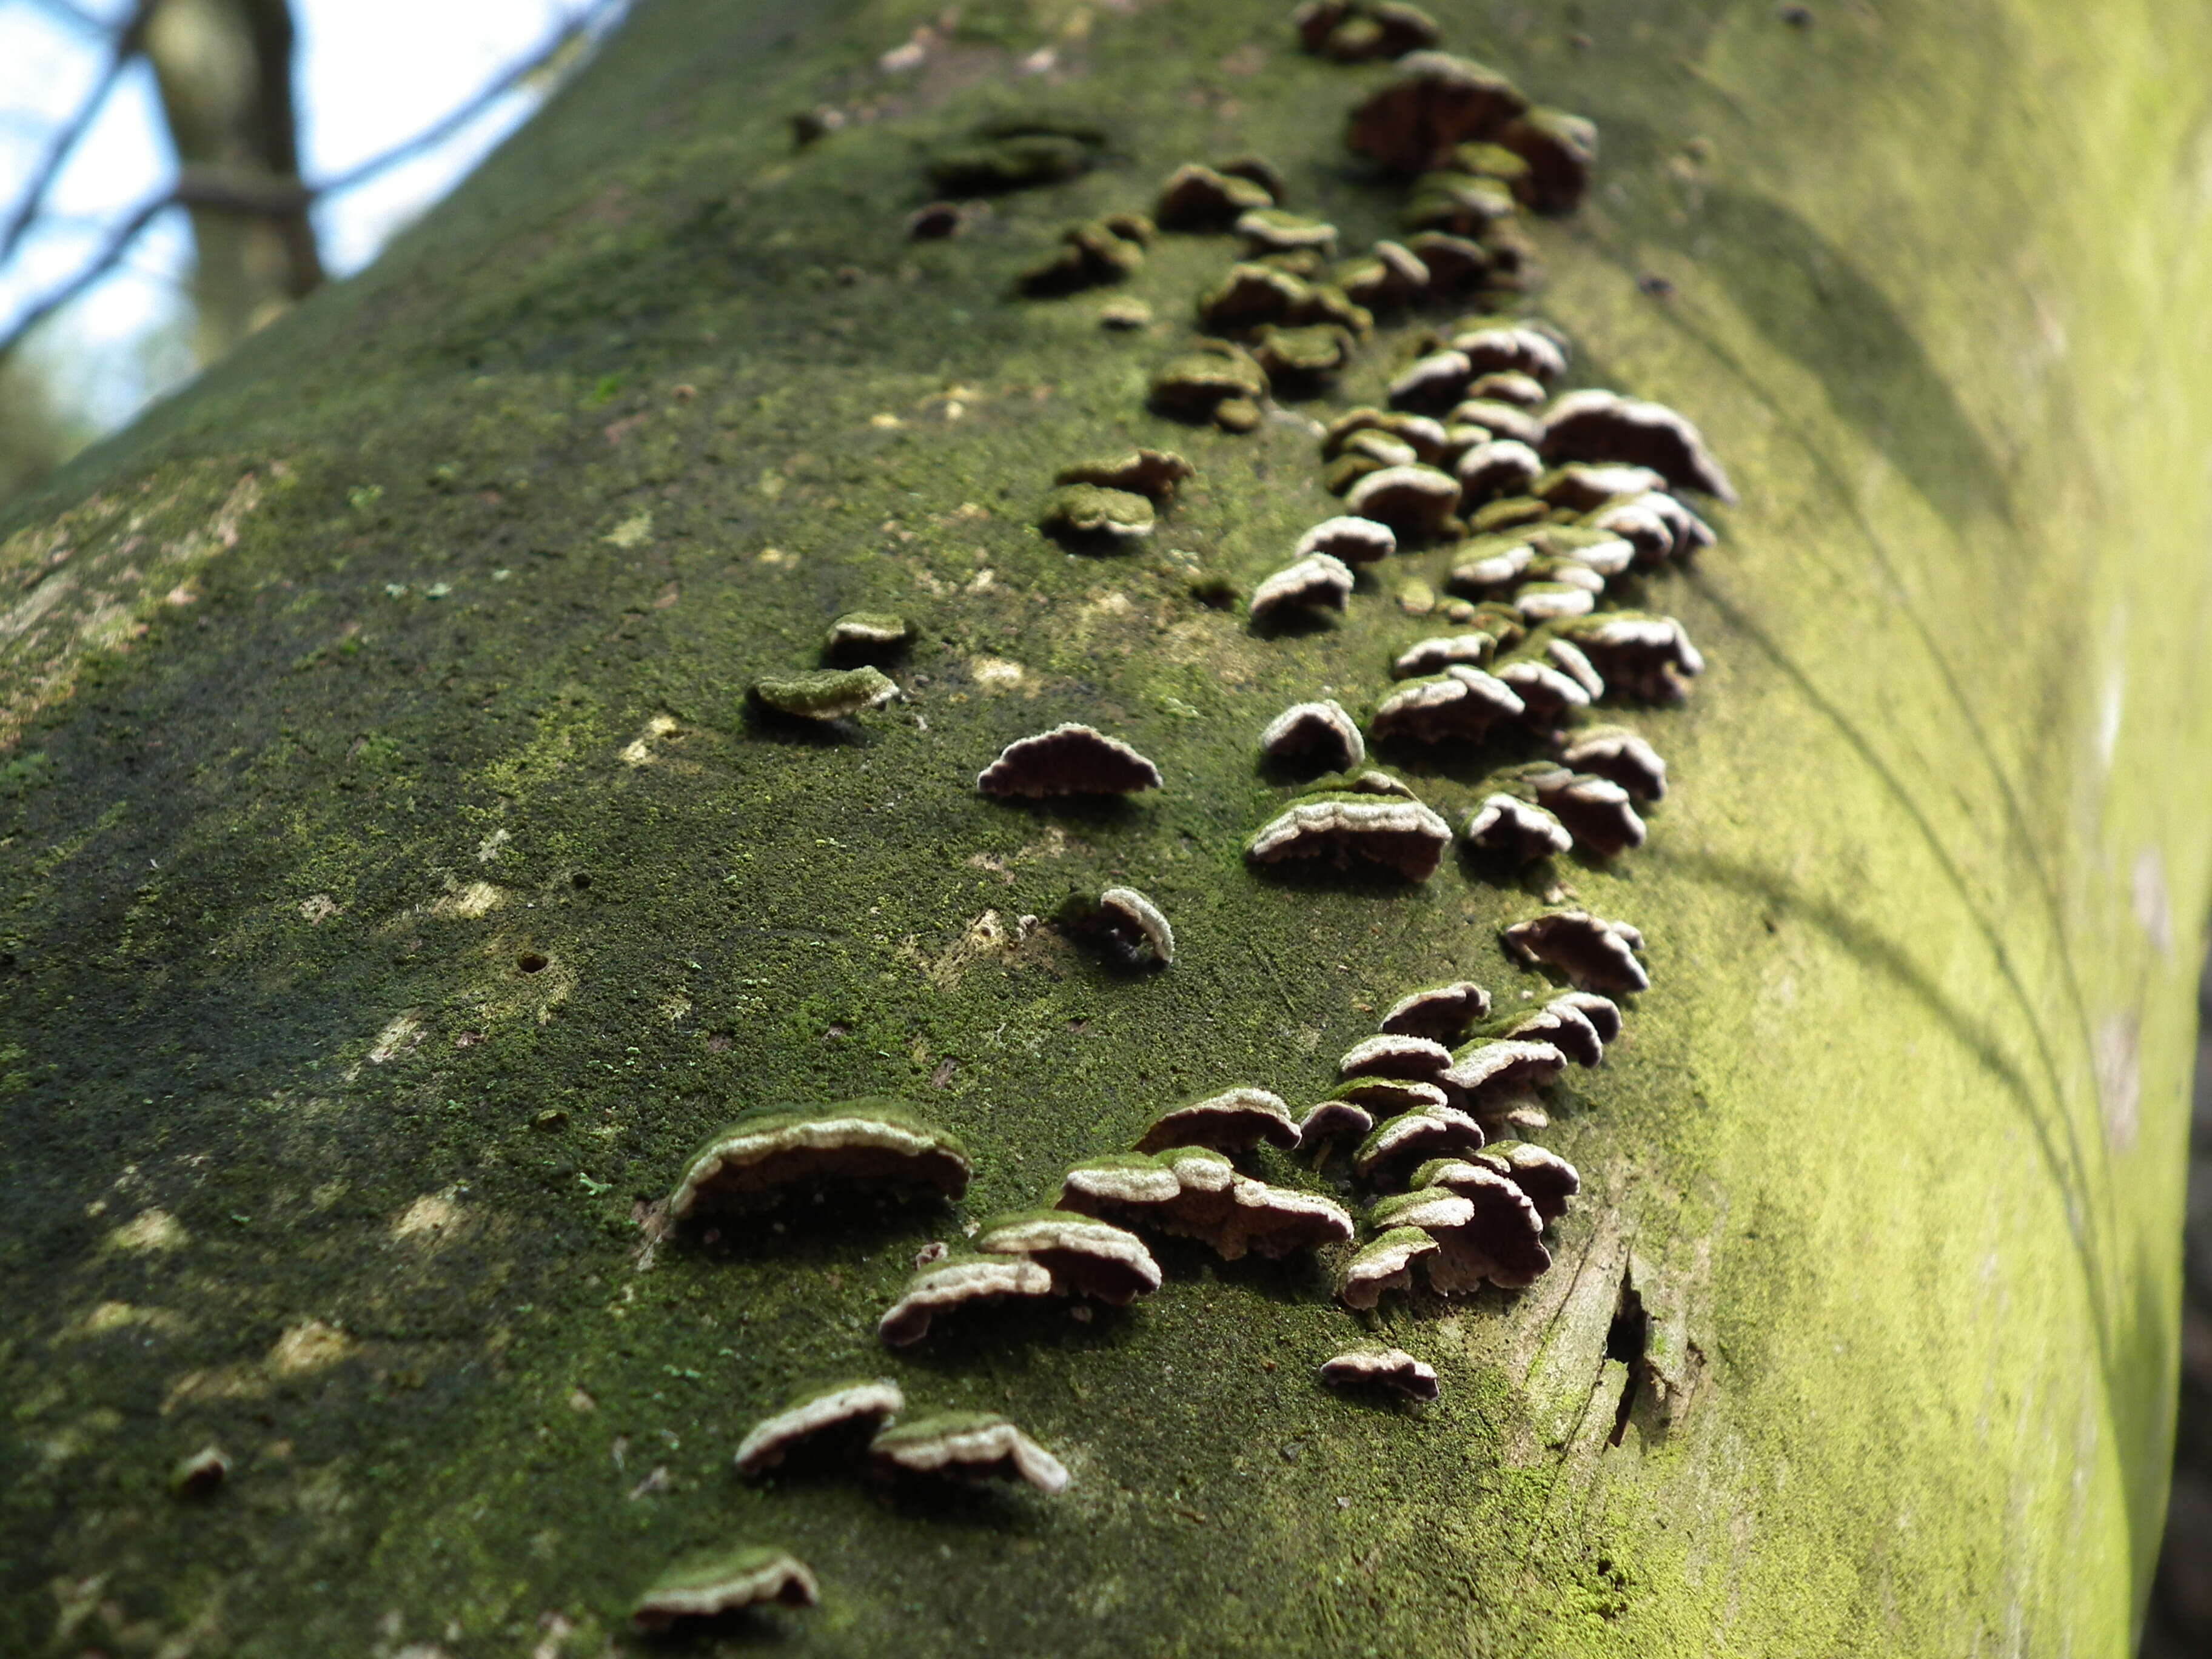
(1596, 811)
(1548, 1180)
(1583, 486)
(968, 1446)
(1647, 656)
(1443, 1013)
(1201, 198)
(1550, 679)
(1363, 31)
(1194, 1193)
(1381, 1371)
(1397, 1144)
(836, 1410)
(873, 1145)
(1586, 545)
(1090, 253)
(1560, 150)
(1514, 829)
(1602, 1013)
(1085, 1257)
(1484, 1227)
(1386, 1096)
(1559, 1023)
(1499, 419)
(1221, 385)
(1436, 101)
(955, 1285)
(1595, 954)
(1352, 540)
(1318, 582)
(1604, 426)
(1508, 347)
(714, 1584)
(1432, 383)
(1458, 707)
(1293, 358)
(859, 635)
(1122, 919)
(1416, 502)
(1068, 760)
(1355, 829)
(1389, 1054)
(1153, 473)
(1500, 466)
(825, 694)
(1384, 1263)
(1318, 734)
(1235, 1120)
(1659, 525)
(1435, 656)
(1272, 230)
(1391, 273)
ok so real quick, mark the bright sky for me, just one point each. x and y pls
(368, 73)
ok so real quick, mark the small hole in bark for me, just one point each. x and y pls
(1626, 1339)
(530, 962)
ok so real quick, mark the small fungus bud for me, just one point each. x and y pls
(1443, 1013)
(1155, 474)
(1085, 517)
(1235, 1120)
(1123, 315)
(768, 1155)
(968, 1446)
(810, 126)
(709, 1585)
(1085, 1257)
(1416, 502)
(1595, 954)
(1354, 830)
(956, 1283)
(831, 1411)
(1381, 1370)
(1314, 734)
(1436, 101)
(1199, 198)
(1455, 709)
(199, 1476)
(1383, 1263)
(1352, 540)
(1314, 582)
(1068, 760)
(825, 694)
(1560, 150)
(1603, 426)
(1379, 783)
(1392, 1055)
(859, 635)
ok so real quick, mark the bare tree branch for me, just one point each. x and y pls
(124, 48)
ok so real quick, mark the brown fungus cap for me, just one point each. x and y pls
(1500, 421)
(1602, 1013)
(1383, 1263)
(1388, 1055)
(1085, 1257)
(1411, 1138)
(1646, 656)
(1235, 1120)
(1153, 473)
(1560, 150)
(1415, 501)
(1548, 1179)
(1583, 486)
(1293, 358)
(1595, 954)
(1432, 383)
(1603, 426)
(1068, 760)
(967, 1446)
(713, 1584)
(1391, 273)
(1596, 811)
(1272, 230)
(1455, 709)
(1517, 830)
(1196, 385)
(818, 1412)
(1383, 1371)
(1252, 296)
(1320, 734)
(956, 1283)
(1444, 1012)
(1194, 1193)
(1486, 1228)
(1349, 540)
(1558, 1023)
(1200, 198)
(1456, 264)
(873, 1145)
(1435, 656)
(1436, 101)
(1126, 924)
(1317, 581)
(199, 1476)
(1501, 466)
(1353, 830)
(1547, 692)
(1332, 1121)
(1387, 1096)
(1490, 1069)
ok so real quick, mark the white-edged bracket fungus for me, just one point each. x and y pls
(1492, 1070)
(1318, 734)
(1543, 599)
(1297, 358)
(1458, 707)
(859, 635)
(1509, 385)
(1484, 1227)
(1558, 1023)
(1156, 474)
(1435, 656)
(1444, 1013)
(1068, 760)
(1602, 1013)
(1315, 582)
(1125, 922)
(1502, 466)
(1087, 515)
(1235, 1120)
(1387, 1096)
(1548, 689)
(1383, 1371)
(1085, 1257)
(873, 1145)
(199, 1476)
(1272, 230)
(1418, 1058)
(1224, 386)
(1200, 198)
(1647, 656)
(1499, 419)
(1415, 501)
(1399, 1143)
(840, 1407)
(1595, 954)
(1384, 1263)
(1435, 101)
(1548, 1179)
(1391, 273)
(1351, 830)
(1512, 348)
(1597, 425)
(712, 1584)
(1456, 264)
(1584, 486)
(968, 1446)
(1331, 1121)
(956, 1283)
(1425, 437)
(1432, 383)
(1560, 150)
(1194, 1193)
(825, 694)
(1659, 525)
(1572, 544)
(1091, 253)
(1349, 540)
(1596, 811)
(1517, 830)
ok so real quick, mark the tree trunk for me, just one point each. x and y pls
(400, 887)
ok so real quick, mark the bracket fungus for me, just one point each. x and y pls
(1156, 474)
(1203, 386)
(1200, 198)
(1391, 273)
(1318, 582)
(1363, 31)
(1484, 1227)
(1091, 253)
(1384, 1263)
(1560, 150)
(1508, 385)
(1516, 829)
(1351, 829)
(1085, 1257)
(1584, 486)
(1349, 540)
(1272, 230)
(833, 1410)
(1602, 1013)
(1296, 358)
(1320, 734)
(1551, 599)
(1645, 655)
(1333, 1120)
(1009, 161)
(1456, 264)
(873, 1145)
(1659, 525)
(1594, 549)
(1435, 656)
(1387, 1096)
(1425, 437)
(1490, 563)
(1235, 1120)
(968, 1446)
(1457, 203)
(1415, 501)
(1087, 517)
(1399, 1143)
(1437, 100)
(1125, 922)
(199, 1476)
(934, 221)
(858, 636)
(1507, 347)
(1500, 421)
(1250, 296)
(1546, 685)
(1501, 466)
(1603, 426)
(1195, 1193)
(1384, 1370)
(1068, 760)
(1559, 1023)
(1420, 1058)
(1548, 1179)
(1444, 1013)
(959, 1283)
(712, 1584)
(1595, 954)
(1595, 812)
(1458, 706)
(1491, 1069)
(1432, 383)
(826, 694)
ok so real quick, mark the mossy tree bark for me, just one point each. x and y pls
(411, 644)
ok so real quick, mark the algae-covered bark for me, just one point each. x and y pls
(401, 885)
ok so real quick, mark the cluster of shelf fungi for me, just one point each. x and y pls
(1553, 506)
